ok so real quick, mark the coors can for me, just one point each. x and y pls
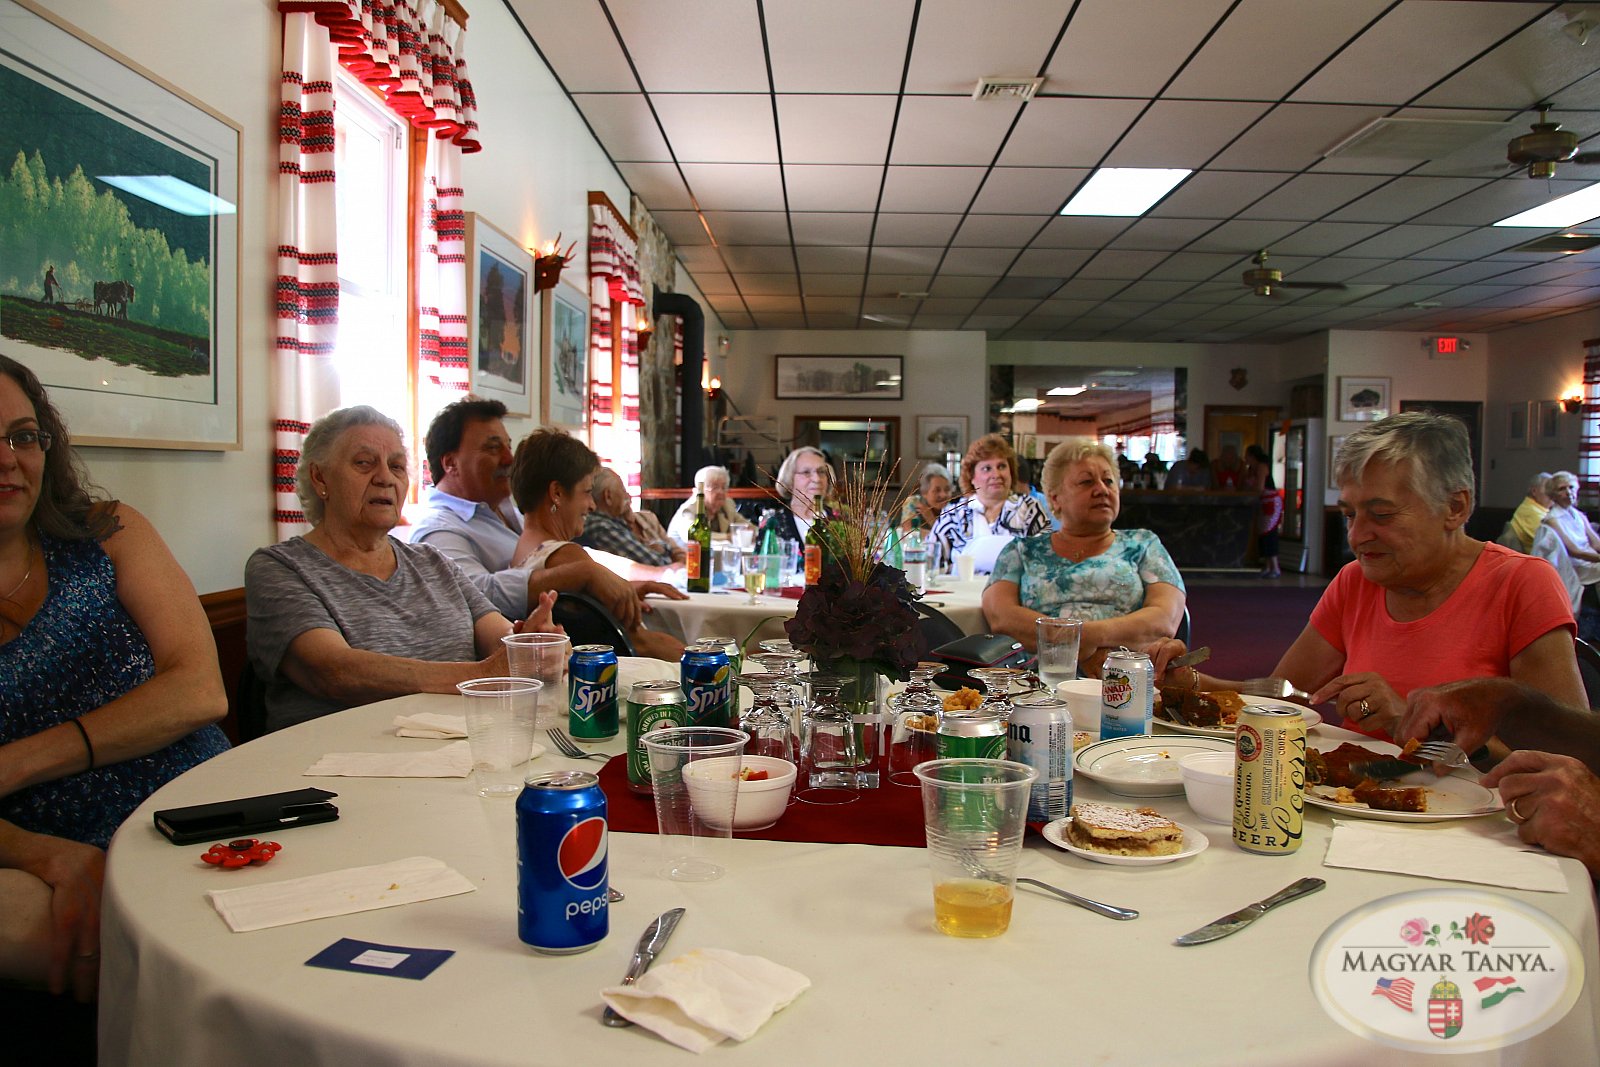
(1269, 784)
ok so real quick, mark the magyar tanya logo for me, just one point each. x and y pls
(1447, 971)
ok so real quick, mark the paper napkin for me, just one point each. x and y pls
(430, 724)
(1484, 855)
(706, 996)
(318, 896)
(447, 761)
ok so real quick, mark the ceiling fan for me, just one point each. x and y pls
(1265, 281)
(1546, 146)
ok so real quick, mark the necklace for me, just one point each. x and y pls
(1078, 556)
(26, 575)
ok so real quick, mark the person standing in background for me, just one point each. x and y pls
(1258, 476)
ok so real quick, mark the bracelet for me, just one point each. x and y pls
(88, 746)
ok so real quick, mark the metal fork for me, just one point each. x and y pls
(569, 748)
(1277, 688)
(1110, 911)
(1445, 752)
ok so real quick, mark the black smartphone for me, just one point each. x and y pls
(235, 818)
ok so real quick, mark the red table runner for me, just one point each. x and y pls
(889, 815)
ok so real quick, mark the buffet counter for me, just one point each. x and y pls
(1202, 530)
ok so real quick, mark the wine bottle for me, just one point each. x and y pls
(814, 545)
(697, 555)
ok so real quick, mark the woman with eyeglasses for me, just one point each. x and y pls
(108, 688)
(803, 483)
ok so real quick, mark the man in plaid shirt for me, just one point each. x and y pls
(613, 526)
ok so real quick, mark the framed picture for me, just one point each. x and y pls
(1334, 444)
(121, 287)
(502, 317)
(1546, 425)
(1363, 399)
(938, 434)
(1517, 424)
(565, 357)
(838, 378)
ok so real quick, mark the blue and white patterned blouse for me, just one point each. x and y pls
(1106, 586)
(962, 520)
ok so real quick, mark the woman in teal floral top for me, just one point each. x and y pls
(1121, 583)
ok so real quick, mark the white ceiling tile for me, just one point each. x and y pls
(657, 184)
(838, 46)
(1242, 236)
(766, 259)
(831, 228)
(832, 188)
(897, 259)
(683, 227)
(1234, 65)
(732, 186)
(1080, 231)
(1150, 289)
(930, 188)
(939, 322)
(777, 284)
(736, 321)
(990, 230)
(624, 125)
(1529, 68)
(1501, 199)
(1183, 133)
(832, 259)
(934, 130)
(1006, 307)
(776, 321)
(956, 285)
(1310, 196)
(1217, 194)
(1062, 132)
(1094, 56)
(658, 33)
(718, 127)
(1294, 136)
(830, 284)
(1195, 266)
(936, 305)
(1325, 238)
(1465, 273)
(1116, 264)
(882, 283)
(916, 229)
(1050, 262)
(1028, 190)
(959, 42)
(578, 42)
(1405, 198)
(1162, 235)
(832, 305)
(749, 227)
(714, 283)
(817, 321)
(835, 129)
(979, 261)
(1398, 242)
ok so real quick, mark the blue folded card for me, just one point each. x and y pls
(397, 961)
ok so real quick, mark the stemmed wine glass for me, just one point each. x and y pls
(766, 720)
(997, 683)
(753, 566)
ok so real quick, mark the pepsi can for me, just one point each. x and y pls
(592, 693)
(561, 863)
(707, 678)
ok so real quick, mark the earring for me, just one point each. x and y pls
(553, 508)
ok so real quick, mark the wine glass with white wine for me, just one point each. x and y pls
(753, 565)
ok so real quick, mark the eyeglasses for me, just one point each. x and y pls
(28, 440)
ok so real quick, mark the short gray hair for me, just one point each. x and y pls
(785, 479)
(931, 471)
(604, 478)
(319, 444)
(1435, 446)
(1556, 479)
(1539, 481)
(706, 475)
(1067, 454)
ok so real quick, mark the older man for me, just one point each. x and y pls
(613, 526)
(1531, 512)
(712, 482)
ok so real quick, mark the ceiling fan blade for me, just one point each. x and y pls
(1585, 157)
(1310, 285)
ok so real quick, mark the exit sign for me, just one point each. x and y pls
(1446, 347)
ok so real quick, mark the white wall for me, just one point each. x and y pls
(1541, 361)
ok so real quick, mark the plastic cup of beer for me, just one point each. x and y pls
(694, 772)
(974, 812)
(501, 713)
(1058, 649)
(542, 657)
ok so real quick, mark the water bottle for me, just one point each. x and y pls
(774, 556)
(916, 561)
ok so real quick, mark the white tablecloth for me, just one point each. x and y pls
(1062, 986)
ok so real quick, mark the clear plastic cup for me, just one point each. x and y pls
(694, 771)
(543, 657)
(501, 715)
(974, 812)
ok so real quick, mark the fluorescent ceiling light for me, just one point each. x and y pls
(1123, 191)
(1027, 403)
(1568, 210)
(169, 192)
(1067, 390)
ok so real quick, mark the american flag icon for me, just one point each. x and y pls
(1396, 989)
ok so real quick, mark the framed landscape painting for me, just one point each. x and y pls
(1517, 424)
(1363, 399)
(838, 378)
(566, 358)
(938, 434)
(119, 241)
(1546, 425)
(502, 316)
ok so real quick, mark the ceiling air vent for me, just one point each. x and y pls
(1006, 88)
(1567, 243)
(1415, 138)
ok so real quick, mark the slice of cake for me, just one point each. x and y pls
(1119, 831)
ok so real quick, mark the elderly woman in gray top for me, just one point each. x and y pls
(346, 614)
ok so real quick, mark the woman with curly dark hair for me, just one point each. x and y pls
(108, 688)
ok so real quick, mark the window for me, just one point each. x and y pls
(371, 161)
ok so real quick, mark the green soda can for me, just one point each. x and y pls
(592, 693)
(974, 734)
(653, 705)
(736, 665)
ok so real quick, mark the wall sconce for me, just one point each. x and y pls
(547, 265)
(1571, 404)
(714, 388)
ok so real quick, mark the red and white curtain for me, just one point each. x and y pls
(1589, 445)
(411, 53)
(614, 279)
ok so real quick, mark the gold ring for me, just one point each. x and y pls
(1516, 816)
(1366, 709)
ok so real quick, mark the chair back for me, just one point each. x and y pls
(937, 627)
(252, 709)
(587, 622)
(1183, 626)
(1589, 670)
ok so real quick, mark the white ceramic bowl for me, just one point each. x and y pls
(1208, 784)
(761, 803)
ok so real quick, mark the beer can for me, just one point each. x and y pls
(592, 693)
(707, 678)
(1127, 694)
(653, 705)
(1039, 733)
(562, 883)
(1269, 783)
(730, 645)
(974, 734)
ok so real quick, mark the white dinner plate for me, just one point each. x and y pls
(1226, 732)
(1142, 766)
(1194, 843)
(1455, 796)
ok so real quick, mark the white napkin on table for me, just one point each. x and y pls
(706, 996)
(1481, 855)
(318, 896)
(430, 724)
(447, 761)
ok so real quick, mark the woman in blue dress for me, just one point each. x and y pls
(1121, 583)
(108, 689)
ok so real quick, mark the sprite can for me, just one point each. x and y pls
(707, 685)
(592, 693)
(653, 705)
(736, 664)
(974, 734)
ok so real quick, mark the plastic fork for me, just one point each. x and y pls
(1277, 688)
(569, 748)
(1446, 752)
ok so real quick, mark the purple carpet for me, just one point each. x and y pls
(1248, 627)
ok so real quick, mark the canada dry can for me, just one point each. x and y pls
(561, 863)
(1039, 733)
(974, 734)
(730, 645)
(1127, 694)
(592, 693)
(653, 705)
(707, 685)
(1269, 784)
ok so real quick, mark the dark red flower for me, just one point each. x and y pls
(871, 622)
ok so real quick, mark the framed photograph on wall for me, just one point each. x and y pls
(838, 378)
(1546, 425)
(938, 434)
(120, 289)
(565, 359)
(1334, 444)
(1517, 424)
(1363, 399)
(502, 316)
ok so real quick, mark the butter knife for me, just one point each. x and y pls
(1189, 659)
(651, 942)
(1232, 924)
